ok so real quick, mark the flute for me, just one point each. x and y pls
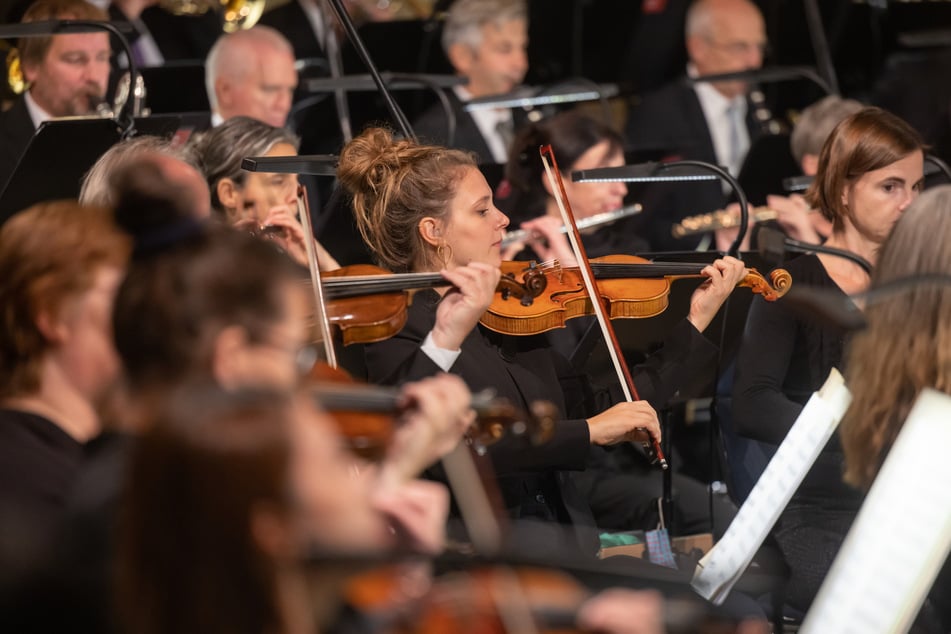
(520, 235)
(720, 219)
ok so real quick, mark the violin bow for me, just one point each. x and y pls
(597, 302)
(303, 212)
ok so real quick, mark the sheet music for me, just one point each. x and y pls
(901, 536)
(722, 566)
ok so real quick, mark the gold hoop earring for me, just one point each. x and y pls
(444, 253)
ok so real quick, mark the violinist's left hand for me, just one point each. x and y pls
(722, 277)
(546, 239)
(437, 414)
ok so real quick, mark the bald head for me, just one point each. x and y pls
(725, 36)
(251, 73)
(155, 179)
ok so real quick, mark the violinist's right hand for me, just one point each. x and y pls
(623, 611)
(436, 415)
(463, 305)
(635, 421)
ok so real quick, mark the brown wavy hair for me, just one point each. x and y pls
(868, 140)
(394, 185)
(907, 345)
(48, 254)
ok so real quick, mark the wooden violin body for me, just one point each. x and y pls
(632, 288)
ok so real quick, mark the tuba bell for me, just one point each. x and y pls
(235, 14)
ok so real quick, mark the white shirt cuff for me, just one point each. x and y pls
(440, 356)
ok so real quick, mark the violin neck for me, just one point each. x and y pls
(373, 399)
(356, 286)
(614, 270)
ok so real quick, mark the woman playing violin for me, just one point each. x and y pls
(424, 209)
(870, 170)
(262, 202)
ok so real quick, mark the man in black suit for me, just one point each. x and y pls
(67, 76)
(708, 122)
(159, 36)
(486, 42)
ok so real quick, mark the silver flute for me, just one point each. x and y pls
(520, 235)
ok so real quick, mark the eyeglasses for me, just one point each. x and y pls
(739, 48)
(306, 356)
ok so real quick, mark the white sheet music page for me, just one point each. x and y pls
(901, 536)
(720, 568)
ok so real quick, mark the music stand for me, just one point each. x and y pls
(59, 155)
(176, 86)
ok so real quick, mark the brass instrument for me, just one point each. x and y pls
(236, 14)
(720, 219)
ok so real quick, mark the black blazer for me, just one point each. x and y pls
(670, 123)
(293, 24)
(532, 481)
(16, 130)
(433, 127)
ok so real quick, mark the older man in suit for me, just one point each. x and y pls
(67, 76)
(486, 42)
(710, 122)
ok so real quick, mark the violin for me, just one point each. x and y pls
(367, 415)
(631, 286)
(367, 303)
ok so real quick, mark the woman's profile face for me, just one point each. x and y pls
(262, 192)
(589, 199)
(877, 199)
(473, 229)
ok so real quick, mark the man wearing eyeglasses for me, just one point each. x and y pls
(711, 122)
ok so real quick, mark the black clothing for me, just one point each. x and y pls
(293, 23)
(532, 481)
(433, 127)
(768, 395)
(16, 130)
(670, 123)
(38, 463)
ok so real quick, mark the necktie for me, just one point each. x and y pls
(506, 132)
(735, 149)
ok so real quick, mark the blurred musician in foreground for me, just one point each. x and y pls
(870, 169)
(61, 267)
(67, 75)
(176, 165)
(251, 73)
(258, 201)
(904, 349)
(486, 42)
(706, 122)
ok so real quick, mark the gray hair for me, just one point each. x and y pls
(99, 190)
(467, 17)
(219, 151)
(230, 53)
(816, 122)
(700, 17)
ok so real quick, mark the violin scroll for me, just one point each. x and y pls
(781, 282)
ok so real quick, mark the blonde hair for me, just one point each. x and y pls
(394, 185)
(907, 345)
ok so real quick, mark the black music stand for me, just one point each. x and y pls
(59, 155)
(175, 86)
